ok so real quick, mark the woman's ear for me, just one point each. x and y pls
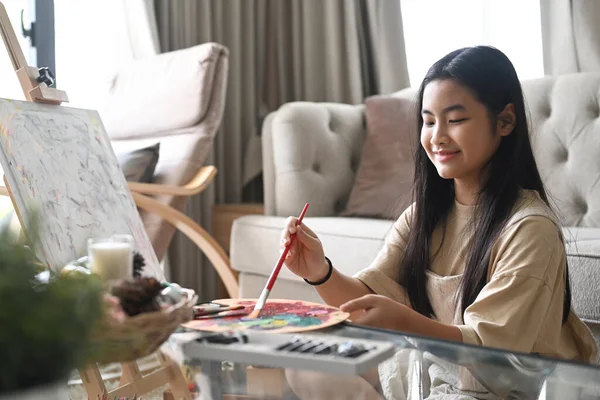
(507, 120)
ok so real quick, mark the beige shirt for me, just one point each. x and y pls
(521, 306)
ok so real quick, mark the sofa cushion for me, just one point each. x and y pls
(252, 284)
(350, 243)
(583, 255)
(382, 187)
(579, 234)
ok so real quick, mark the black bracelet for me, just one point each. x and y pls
(322, 281)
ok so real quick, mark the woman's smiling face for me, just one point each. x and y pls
(457, 132)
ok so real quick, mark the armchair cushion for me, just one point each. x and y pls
(382, 187)
(167, 92)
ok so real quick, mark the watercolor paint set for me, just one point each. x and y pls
(315, 352)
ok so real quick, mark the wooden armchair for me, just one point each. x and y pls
(175, 99)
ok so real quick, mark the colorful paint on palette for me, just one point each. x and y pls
(277, 316)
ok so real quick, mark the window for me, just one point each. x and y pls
(91, 42)
(9, 84)
(433, 28)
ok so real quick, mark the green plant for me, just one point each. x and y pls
(45, 324)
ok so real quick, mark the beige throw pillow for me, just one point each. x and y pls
(382, 187)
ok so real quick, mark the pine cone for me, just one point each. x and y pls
(138, 295)
(138, 264)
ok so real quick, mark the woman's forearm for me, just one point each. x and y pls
(419, 324)
(340, 288)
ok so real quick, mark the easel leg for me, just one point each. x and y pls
(92, 382)
(132, 381)
(131, 373)
(177, 382)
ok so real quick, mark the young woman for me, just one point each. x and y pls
(479, 256)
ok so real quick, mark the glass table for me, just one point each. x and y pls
(419, 367)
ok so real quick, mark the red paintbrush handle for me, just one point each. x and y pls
(275, 272)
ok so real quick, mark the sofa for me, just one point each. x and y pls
(311, 153)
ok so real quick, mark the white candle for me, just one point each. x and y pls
(111, 260)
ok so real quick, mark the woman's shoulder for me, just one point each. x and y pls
(530, 206)
(402, 224)
(406, 214)
(531, 244)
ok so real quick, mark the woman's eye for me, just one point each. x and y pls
(428, 123)
(457, 121)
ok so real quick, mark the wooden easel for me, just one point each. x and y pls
(36, 89)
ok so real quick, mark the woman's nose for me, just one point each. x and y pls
(439, 135)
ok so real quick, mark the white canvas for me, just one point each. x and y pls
(59, 160)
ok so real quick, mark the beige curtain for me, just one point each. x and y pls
(570, 35)
(141, 26)
(280, 51)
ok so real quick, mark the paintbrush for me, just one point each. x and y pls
(223, 315)
(260, 303)
(200, 311)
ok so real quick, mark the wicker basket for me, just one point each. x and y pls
(142, 334)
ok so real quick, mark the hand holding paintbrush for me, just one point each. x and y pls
(260, 303)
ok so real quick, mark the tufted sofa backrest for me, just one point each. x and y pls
(311, 150)
(565, 117)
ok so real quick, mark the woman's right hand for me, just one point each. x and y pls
(306, 257)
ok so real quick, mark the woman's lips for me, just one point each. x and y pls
(443, 156)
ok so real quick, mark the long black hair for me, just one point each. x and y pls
(492, 79)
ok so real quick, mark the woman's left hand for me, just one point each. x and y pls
(378, 311)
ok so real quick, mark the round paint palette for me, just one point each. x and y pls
(277, 316)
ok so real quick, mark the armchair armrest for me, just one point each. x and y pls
(205, 242)
(310, 154)
(196, 185)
